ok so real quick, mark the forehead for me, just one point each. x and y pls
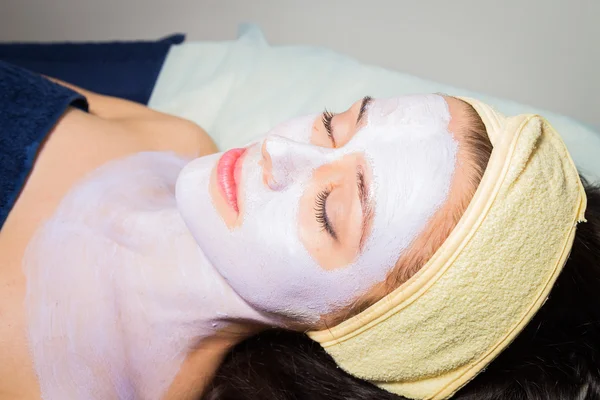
(412, 155)
(407, 109)
(408, 119)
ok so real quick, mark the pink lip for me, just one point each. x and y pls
(228, 175)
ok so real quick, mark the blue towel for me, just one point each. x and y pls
(122, 69)
(30, 106)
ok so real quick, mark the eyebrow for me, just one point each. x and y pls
(363, 108)
(365, 204)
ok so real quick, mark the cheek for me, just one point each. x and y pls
(271, 223)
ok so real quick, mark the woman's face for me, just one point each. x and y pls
(308, 219)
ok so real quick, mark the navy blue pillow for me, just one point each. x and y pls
(122, 69)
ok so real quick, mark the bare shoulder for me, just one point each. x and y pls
(167, 132)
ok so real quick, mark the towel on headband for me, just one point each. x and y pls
(30, 106)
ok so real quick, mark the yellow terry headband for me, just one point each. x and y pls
(435, 333)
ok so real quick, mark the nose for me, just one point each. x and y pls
(286, 161)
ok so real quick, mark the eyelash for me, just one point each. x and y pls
(360, 176)
(327, 117)
(322, 214)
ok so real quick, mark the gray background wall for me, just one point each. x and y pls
(541, 52)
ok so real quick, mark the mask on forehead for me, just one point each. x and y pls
(411, 153)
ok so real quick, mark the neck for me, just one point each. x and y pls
(137, 309)
(202, 310)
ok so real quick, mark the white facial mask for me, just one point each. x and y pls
(412, 155)
(118, 290)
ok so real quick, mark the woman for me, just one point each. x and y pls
(160, 327)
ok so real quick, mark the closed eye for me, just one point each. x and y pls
(321, 213)
(327, 118)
